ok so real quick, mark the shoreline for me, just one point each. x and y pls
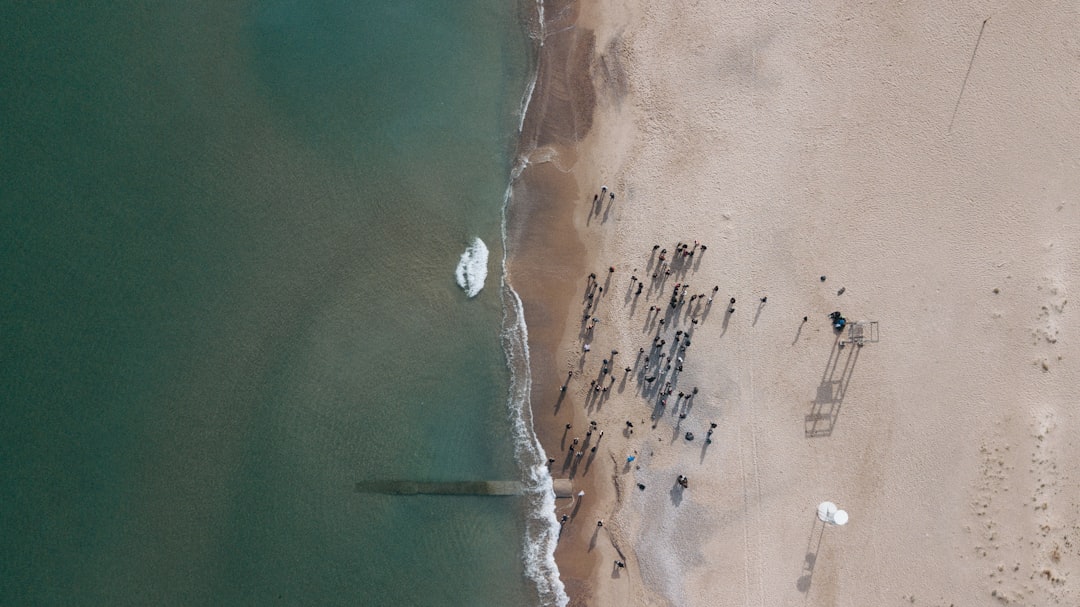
(548, 255)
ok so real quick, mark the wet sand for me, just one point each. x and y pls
(549, 260)
(929, 171)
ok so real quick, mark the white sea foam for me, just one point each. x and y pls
(472, 269)
(539, 35)
(541, 25)
(526, 99)
(541, 525)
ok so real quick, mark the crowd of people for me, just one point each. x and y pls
(674, 314)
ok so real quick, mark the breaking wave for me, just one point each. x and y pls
(472, 269)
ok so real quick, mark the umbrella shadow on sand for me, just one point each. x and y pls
(813, 548)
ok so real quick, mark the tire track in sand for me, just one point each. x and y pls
(747, 423)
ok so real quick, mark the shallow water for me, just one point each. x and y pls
(230, 237)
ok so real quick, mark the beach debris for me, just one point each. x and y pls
(822, 278)
(689, 436)
(841, 291)
(838, 320)
(683, 481)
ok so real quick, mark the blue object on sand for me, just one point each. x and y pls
(838, 320)
(630, 458)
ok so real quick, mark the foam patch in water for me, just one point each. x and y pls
(472, 269)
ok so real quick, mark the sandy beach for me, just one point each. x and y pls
(915, 166)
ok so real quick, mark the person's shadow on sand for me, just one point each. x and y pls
(676, 494)
(798, 333)
(757, 315)
(592, 542)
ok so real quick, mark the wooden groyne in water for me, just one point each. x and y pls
(490, 488)
(441, 488)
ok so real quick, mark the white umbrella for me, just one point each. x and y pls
(825, 511)
(828, 512)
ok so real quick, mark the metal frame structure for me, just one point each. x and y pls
(862, 332)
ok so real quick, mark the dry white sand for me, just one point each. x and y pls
(805, 139)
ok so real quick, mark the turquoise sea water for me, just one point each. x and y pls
(229, 234)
